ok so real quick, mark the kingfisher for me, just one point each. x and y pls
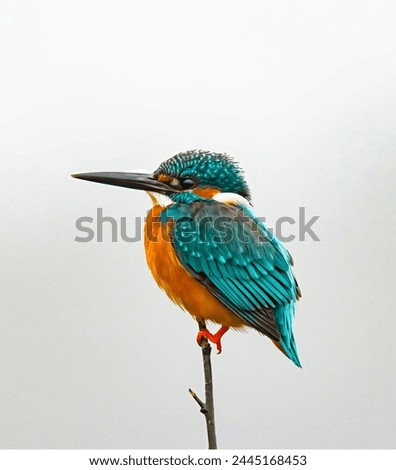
(209, 252)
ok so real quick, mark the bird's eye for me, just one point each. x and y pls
(187, 183)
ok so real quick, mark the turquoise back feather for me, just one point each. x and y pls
(243, 265)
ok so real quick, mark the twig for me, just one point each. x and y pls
(207, 408)
(198, 400)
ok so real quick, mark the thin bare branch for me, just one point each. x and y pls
(207, 408)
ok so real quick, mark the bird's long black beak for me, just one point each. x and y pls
(144, 181)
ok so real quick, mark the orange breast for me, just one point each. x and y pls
(178, 284)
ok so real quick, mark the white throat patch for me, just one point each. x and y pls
(159, 199)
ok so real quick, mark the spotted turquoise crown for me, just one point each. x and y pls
(207, 169)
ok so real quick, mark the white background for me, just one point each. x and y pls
(92, 354)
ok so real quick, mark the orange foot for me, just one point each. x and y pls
(216, 338)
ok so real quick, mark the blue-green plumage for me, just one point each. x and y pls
(234, 255)
(209, 169)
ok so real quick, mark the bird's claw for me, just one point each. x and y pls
(212, 338)
(215, 339)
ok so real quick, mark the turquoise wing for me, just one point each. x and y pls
(241, 263)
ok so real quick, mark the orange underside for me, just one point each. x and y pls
(178, 284)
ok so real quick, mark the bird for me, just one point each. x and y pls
(209, 252)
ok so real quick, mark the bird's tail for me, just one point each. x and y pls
(284, 316)
(290, 352)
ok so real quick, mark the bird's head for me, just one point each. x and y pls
(203, 173)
